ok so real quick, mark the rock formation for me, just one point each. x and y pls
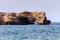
(26, 17)
(41, 18)
(23, 18)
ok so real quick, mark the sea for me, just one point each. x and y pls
(30, 32)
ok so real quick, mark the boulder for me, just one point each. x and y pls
(47, 22)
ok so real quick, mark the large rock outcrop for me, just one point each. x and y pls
(23, 18)
(26, 17)
(40, 18)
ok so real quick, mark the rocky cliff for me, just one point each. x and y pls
(25, 17)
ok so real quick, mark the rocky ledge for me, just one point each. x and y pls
(23, 18)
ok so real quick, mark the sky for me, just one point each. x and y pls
(51, 7)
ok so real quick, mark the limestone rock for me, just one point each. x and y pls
(27, 16)
(41, 18)
(23, 18)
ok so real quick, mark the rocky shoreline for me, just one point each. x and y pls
(23, 18)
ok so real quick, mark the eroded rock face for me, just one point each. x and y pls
(28, 16)
(24, 18)
(41, 18)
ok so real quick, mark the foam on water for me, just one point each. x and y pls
(29, 32)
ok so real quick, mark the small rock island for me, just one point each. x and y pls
(23, 18)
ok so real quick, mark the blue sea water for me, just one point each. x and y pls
(30, 32)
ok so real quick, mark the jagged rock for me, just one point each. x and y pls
(41, 18)
(26, 17)
(47, 22)
(23, 18)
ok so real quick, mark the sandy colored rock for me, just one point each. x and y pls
(39, 17)
(23, 17)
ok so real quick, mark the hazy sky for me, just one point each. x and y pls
(51, 7)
